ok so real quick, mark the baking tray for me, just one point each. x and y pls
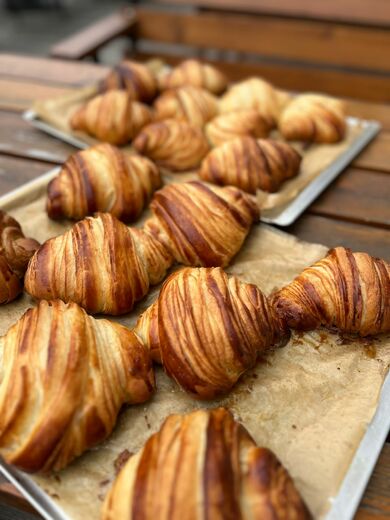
(281, 216)
(344, 504)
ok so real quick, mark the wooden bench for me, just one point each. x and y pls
(296, 47)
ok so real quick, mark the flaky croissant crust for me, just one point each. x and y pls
(102, 178)
(193, 72)
(346, 290)
(210, 468)
(63, 379)
(207, 329)
(137, 79)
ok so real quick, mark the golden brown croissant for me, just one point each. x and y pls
(349, 291)
(207, 329)
(100, 264)
(102, 178)
(251, 164)
(254, 93)
(192, 104)
(201, 225)
(64, 378)
(112, 117)
(210, 468)
(175, 145)
(312, 117)
(193, 72)
(240, 123)
(15, 252)
(137, 79)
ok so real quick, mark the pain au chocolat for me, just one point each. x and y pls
(210, 468)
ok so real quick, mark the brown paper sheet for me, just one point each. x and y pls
(310, 402)
(316, 157)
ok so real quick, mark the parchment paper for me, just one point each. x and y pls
(316, 157)
(310, 402)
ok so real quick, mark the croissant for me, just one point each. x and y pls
(65, 376)
(211, 468)
(102, 178)
(137, 79)
(207, 329)
(15, 252)
(192, 104)
(175, 145)
(251, 164)
(254, 93)
(112, 117)
(349, 291)
(100, 264)
(193, 72)
(312, 117)
(240, 123)
(201, 225)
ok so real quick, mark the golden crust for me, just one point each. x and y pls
(349, 291)
(102, 178)
(100, 264)
(175, 145)
(207, 329)
(251, 164)
(137, 79)
(210, 468)
(257, 94)
(112, 117)
(193, 72)
(192, 104)
(64, 378)
(312, 117)
(240, 123)
(201, 225)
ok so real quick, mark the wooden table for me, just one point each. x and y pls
(354, 211)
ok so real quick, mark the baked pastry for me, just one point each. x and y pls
(136, 78)
(192, 104)
(100, 264)
(240, 123)
(251, 164)
(201, 225)
(64, 379)
(15, 253)
(175, 145)
(312, 117)
(102, 178)
(112, 117)
(211, 468)
(254, 93)
(193, 72)
(207, 329)
(349, 291)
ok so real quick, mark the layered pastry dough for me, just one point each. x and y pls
(257, 94)
(102, 178)
(15, 253)
(207, 329)
(251, 164)
(197, 74)
(349, 291)
(100, 264)
(239, 123)
(201, 225)
(112, 117)
(192, 104)
(137, 79)
(210, 468)
(63, 379)
(175, 145)
(312, 117)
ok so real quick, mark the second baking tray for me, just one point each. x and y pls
(283, 215)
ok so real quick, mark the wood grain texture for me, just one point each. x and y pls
(19, 95)
(377, 154)
(305, 41)
(14, 172)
